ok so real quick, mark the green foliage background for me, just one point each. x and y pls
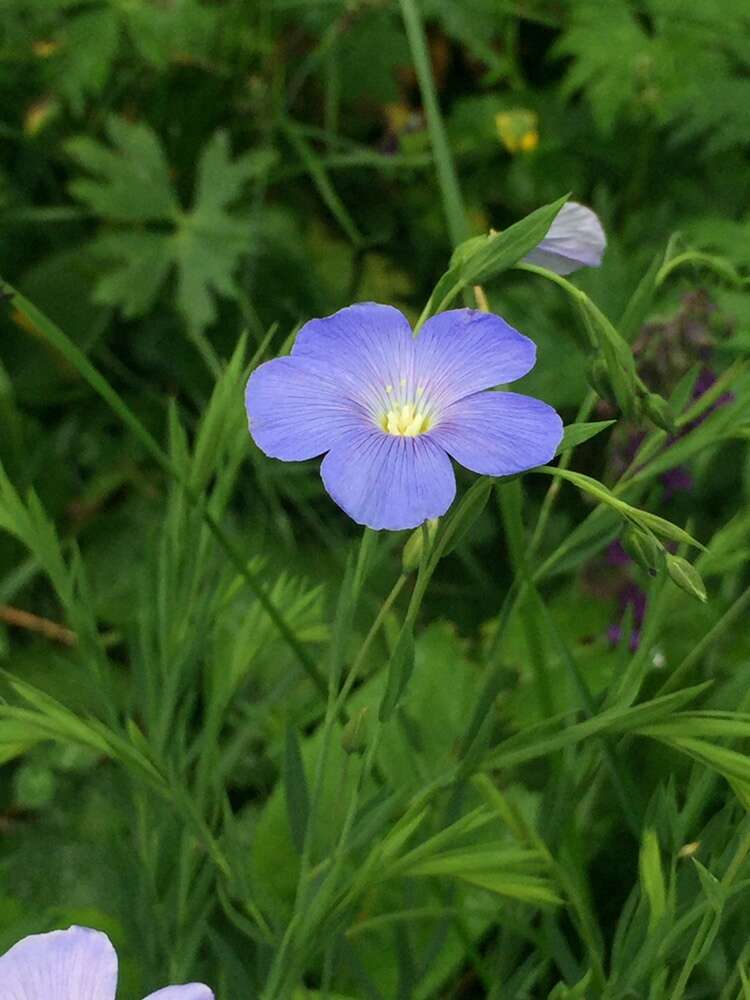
(546, 813)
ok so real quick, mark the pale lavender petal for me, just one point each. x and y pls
(295, 410)
(575, 239)
(463, 351)
(389, 482)
(75, 964)
(191, 991)
(499, 433)
(363, 345)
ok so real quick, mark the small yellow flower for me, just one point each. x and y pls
(518, 130)
(45, 47)
(39, 114)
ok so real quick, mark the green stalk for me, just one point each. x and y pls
(509, 497)
(453, 204)
(62, 343)
(554, 489)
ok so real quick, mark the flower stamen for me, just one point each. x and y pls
(405, 420)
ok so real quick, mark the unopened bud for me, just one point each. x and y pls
(643, 549)
(354, 736)
(686, 576)
(659, 412)
(688, 850)
(597, 377)
(412, 554)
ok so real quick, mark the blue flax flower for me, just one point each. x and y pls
(388, 409)
(76, 964)
(574, 240)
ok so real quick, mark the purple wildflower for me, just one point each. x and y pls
(706, 378)
(677, 480)
(76, 964)
(630, 597)
(387, 409)
(616, 555)
(705, 381)
(575, 239)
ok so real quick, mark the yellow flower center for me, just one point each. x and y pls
(406, 420)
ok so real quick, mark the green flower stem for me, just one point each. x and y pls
(509, 498)
(450, 191)
(555, 486)
(368, 640)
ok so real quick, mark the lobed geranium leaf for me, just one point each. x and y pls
(140, 262)
(180, 30)
(131, 183)
(93, 35)
(88, 50)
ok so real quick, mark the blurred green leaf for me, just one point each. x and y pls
(295, 788)
(482, 258)
(575, 434)
(204, 245)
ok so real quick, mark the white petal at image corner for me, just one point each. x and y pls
(190, 991)
(75, 964)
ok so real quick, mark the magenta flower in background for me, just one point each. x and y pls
(76, 964)
(575, 239)
(388, 409)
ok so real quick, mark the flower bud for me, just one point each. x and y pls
(597, 377)
(412, 554)
(686, 576)
(659, 412)
(643, 549)
(354, 736)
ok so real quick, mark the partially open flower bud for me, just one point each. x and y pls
(575, 238)
(686, 576)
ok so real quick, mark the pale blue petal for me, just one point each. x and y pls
(499, 433)
(337, 377)
(295, 411)
(75, 964)
(389, 482)
(463, 351)
(364, 346)
(575, 239)
(191, 991)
